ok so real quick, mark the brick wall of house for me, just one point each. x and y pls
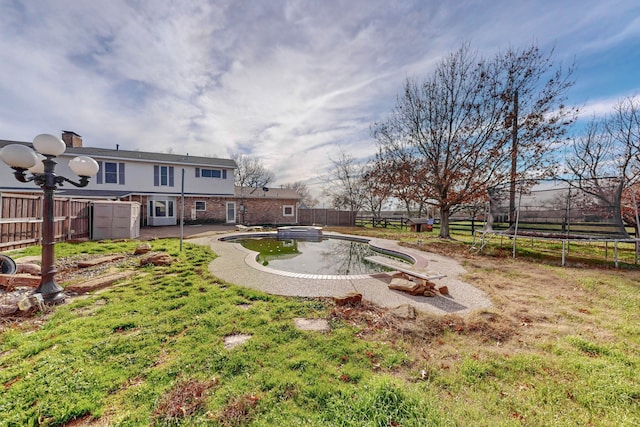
(265, 211)
(216, 209)
(259, 211)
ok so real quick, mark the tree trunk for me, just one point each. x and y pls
(407, 206)
(444, 222)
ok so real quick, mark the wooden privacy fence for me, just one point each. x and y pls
(326, 217)
(21, 220)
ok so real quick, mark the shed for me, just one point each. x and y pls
(115, 220)
(420, 224)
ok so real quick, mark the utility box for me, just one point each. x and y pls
(115, 220)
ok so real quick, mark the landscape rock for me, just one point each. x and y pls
(412, 288)
(318, 325)
(142, 248)
(98, 261)
(33, 302)
(402, 284)
(232, 341)
(429, 293)
(349, 299)
(8, 309)
(98, 282)
(157, 258)
(443, 290)
(404, 311)
(28, 268)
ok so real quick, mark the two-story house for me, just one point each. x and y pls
(159, 181)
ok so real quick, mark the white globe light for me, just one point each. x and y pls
(84, 166)
(18, 156)
(39, 166)
(49, 144)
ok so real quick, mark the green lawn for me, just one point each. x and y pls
(150, 351)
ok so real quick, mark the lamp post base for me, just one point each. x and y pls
(51, 292)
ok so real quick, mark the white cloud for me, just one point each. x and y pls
(288, 81)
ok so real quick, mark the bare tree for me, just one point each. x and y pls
(344, 185)
(303, 191)
(251, 172)
(377, 188)
(399, 176)
(473, 123)
(449, 126)
(533, 89)
(608, 153)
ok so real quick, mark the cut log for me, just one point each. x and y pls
(10, 281)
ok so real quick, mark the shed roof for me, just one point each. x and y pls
(419, 220)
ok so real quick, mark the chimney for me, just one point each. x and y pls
(72, 139)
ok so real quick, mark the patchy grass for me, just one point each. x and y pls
(560, 346)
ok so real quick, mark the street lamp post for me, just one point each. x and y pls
(41, 165)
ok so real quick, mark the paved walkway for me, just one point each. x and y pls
(188, 231)
(237, 265)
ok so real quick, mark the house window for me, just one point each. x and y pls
(163, 176)
(161, 208)
(211, 173)
(201, 205)
(110, 173)
(287, 210)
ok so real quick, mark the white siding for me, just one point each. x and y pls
(139, 178)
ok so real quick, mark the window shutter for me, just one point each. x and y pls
(170, 176)
(197, 172)
(224, 174)
(99, 175)
(156, 175)
(121, 173)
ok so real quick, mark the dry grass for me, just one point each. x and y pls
(533, 302)
(238, 412)
(183, 400)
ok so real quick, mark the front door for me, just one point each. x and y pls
(231, 212)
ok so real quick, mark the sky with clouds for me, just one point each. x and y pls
(290, 82)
